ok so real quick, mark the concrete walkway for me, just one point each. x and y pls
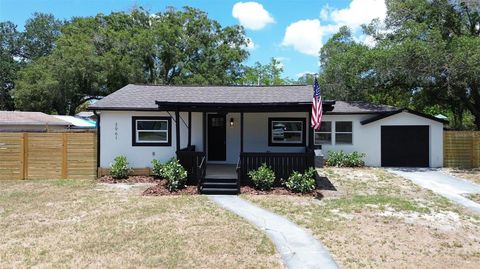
(296, 245)
(442, 184)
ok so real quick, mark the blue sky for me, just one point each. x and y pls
(291, 31)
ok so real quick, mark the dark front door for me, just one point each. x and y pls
(406, 146)
(217, 134)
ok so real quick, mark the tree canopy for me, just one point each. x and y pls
(56, 66)
(425, 56)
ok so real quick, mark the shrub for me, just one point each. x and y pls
(175, 174)
(157, 168)
(263, 177)
(342, 159)
(119, 169)
(303, 183)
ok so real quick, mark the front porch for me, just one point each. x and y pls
(203, 161)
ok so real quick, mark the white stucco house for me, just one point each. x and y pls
(243, 126)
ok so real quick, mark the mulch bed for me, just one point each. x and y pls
(130, 179)
(276, 191)
(161, 189)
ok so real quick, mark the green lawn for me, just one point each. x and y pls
(63, 223)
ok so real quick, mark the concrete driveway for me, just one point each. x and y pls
(442, 184)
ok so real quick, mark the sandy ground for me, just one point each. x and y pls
(80, 224)
(379, 220)
(472, 175)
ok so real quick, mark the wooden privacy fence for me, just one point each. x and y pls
(461, 149)
(48, 155)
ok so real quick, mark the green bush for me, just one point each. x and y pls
(262, 178)
(175, 174)
(157, 168)
(342, 159)
(303, 183)
(119, 169)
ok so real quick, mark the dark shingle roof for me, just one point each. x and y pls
(143, 97)
(342, 107)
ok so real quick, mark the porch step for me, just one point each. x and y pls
(227, 185)
(219, 186)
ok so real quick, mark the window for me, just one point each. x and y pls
(151, 131)
(343, 132)
(286, 132)
(324, 135)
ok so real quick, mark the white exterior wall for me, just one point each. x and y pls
(366, 138)
(112, 145)
(255, 136)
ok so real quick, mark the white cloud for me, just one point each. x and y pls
(357, 13)
(252, 15)
(306, 36)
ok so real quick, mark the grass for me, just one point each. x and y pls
(376, 219)
(474, 197)
(75, 223)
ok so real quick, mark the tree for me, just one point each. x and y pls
(189, 48)
(40, 35)
(9, 51)
(425, 56)
(94, 56)
(268, 74)
(344, 64)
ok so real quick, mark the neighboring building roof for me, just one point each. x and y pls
(385, 115)
(77, 122)
(143, 97)
(29, 118)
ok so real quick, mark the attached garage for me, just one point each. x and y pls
(405, 146)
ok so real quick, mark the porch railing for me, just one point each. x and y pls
(191, 160)
(201, 172)
(282, 163)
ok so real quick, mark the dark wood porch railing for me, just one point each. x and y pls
(283, 164)
(190, 160)
(201, 172)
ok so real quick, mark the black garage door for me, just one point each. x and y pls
(405, 146)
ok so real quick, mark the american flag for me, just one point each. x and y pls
(316, 106)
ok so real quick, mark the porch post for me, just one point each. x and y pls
(310, 130)
(177, 128)
(241, 132)
(189, 128)
(204, 131)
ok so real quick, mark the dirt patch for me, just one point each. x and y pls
(472, 175)
(275, 191)
(376, 219)
(130, 179)
(161, 189)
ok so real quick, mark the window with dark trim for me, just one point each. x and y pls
(324, 135)
(343, 132)
(151, 131)
(286, 132)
